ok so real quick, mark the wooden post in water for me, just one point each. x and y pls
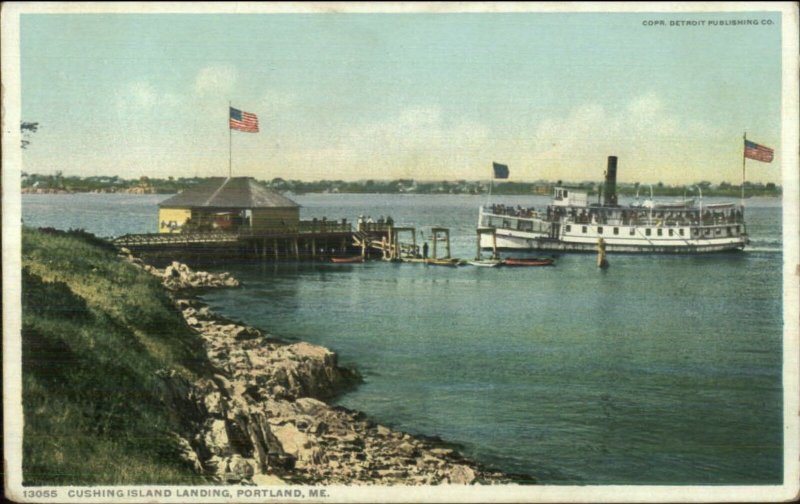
(602, 262)
(275, 245)
(313, 248)
(494, 243)
(433, 256)
(447, 237)
(296, 247)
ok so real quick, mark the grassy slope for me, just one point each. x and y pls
(95, 331)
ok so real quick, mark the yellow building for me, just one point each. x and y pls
(235, 204)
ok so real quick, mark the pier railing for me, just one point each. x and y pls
(324, 226)
(304, 228)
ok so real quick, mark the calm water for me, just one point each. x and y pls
(659, 370)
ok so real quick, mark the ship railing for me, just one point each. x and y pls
(503, 211)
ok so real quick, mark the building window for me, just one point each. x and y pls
(600, 230)
(583, 229)
(647, 231)
(671, 232)
(616, 230)
(660, 232)
(737, 230)
(680, 231)
(568, 228)
(632, 231)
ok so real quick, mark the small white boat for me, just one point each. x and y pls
(486, 263)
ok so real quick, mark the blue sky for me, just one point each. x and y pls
(425, 96)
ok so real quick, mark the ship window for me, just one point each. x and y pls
(583, 229)
(568, 228)
(670, 232)
(737, 230)
(660, 232)
(719, 231)
(616, 230)
(680, 231)
(632, 231)
(647, 231)
(599, 229)
(566, 193)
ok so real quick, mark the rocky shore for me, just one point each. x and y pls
(260, 418)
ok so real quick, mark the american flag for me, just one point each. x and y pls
(758, 152)
(243, 121)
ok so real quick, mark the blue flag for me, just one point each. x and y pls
(500, 170)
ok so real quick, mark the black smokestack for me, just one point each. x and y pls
(610, 191)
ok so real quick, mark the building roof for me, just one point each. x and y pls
(234, 192)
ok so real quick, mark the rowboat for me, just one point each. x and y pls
(486, 263)
(352, 259)
(442, 262)
(511, 261)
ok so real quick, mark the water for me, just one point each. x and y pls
(659, 370)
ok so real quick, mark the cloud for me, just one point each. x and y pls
(417, 142)
(136, 99)
(653, 141)
(274, 100)
(215, 79)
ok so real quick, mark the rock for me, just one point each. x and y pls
(237, 468)
(383, 431)
(291, 439)
(216, 438)
(442, 451)
(244, 333)
(188, 454)
(214, 405)
(310, 406)
(460, 475)
(408, 449)
(267, 480)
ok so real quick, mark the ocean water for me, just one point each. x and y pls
(658, 370)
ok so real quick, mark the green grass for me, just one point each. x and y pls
(95, 332)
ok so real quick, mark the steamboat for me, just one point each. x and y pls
(571, 223)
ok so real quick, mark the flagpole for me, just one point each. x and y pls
(230, 140)
(744, 161)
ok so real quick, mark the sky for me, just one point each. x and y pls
(386, 96)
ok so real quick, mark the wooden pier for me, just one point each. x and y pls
(307, 241)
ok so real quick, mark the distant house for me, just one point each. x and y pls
(228, 204)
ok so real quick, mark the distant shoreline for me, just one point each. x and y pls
(667, 192)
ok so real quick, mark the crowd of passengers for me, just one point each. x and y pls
(513, 211)
(628, 217)
(637, 217)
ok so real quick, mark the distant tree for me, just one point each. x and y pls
(27, 128)
(770, 186)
